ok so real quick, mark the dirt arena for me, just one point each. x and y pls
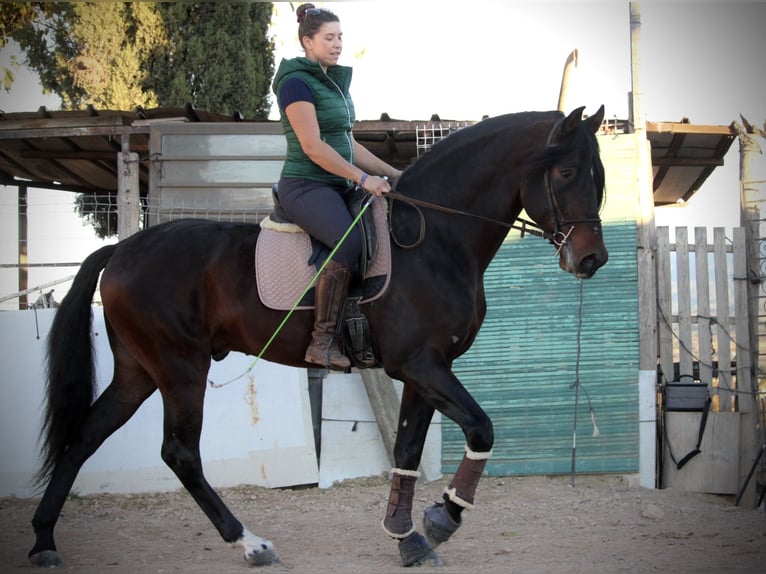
(520, 525)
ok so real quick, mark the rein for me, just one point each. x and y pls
(521, 224)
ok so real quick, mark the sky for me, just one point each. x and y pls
(699, 60)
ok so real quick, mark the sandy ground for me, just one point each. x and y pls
(520, 525)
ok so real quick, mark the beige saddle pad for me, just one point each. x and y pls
(282, 270)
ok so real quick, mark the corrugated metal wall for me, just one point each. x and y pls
(523, 363)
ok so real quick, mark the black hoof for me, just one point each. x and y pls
(266, 557)
(415, 551)
(438, 524)
(46, 559)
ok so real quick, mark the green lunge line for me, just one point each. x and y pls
(365, 205)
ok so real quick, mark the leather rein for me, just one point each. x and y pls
(523, 225)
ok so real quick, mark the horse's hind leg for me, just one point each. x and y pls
(108, 413)
(180, 451)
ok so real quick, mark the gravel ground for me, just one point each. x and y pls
(520, 525)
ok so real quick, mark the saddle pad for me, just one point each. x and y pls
(282, 270)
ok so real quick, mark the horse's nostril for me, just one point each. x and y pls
(590, 264)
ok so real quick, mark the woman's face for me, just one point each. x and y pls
(326, 45)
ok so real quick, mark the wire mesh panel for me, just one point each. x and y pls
(427, 135)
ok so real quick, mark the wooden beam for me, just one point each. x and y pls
(687, 161)
(69, 155)
(684, 128)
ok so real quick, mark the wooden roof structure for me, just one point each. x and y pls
(77, 150)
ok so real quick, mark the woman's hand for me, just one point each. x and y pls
(375, 185)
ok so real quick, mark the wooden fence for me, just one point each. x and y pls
(702, 311)
(703, 335)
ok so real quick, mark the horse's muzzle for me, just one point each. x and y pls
(583, 264)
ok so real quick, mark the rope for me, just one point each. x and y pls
(576, 385)
(365, 205)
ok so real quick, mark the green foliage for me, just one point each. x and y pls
(217, 56)
(118, 55)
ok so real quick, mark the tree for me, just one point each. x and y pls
(13, 17)
(216, 56)
(118, 55)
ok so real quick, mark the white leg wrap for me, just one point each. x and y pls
(476, 455)
(405, 472)
(396, 535)
(452, 495)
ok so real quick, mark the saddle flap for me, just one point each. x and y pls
(282, 270)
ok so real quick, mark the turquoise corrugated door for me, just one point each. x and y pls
(523, 363)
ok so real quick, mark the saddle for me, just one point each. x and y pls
(287, 259)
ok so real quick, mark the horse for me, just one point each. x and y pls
(182, 293)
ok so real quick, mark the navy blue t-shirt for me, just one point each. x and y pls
(294, 90)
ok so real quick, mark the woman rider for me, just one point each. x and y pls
(323, 161)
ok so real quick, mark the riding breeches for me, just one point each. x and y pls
(320, 210)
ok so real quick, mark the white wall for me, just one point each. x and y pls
(257, 430)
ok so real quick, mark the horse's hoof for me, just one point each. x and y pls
(46, 559)
(438, 524)
(415, 551)
(265, 557)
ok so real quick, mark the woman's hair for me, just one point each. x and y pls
(311, 18)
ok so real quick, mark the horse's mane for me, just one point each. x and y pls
(465, 142)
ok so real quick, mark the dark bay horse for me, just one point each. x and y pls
(181, 293)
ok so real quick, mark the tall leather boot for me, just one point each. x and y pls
(330, 294)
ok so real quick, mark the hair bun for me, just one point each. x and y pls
(301, 11)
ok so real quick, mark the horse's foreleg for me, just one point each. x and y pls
(414, 419)
(445, 392)
(441, 520)
(180, 451)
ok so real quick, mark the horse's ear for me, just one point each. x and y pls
(571, 122)
(594, 122)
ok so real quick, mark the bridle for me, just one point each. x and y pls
(559, 237)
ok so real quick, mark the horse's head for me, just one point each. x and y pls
(564, 190)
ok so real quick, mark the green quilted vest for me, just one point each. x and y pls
(335, 113)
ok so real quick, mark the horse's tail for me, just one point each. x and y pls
(71, 384)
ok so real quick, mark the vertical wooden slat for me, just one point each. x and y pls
(684, 302)
(749, 442)
(704, 326)
(743, 399)
(664, 302)
(723, 340)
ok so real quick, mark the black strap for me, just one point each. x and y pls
(691, 454)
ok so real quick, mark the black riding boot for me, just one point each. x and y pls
(330, 294)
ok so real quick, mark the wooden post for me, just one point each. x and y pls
(647, 272)
(128, 191)
(748, 374)
(23, 246)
